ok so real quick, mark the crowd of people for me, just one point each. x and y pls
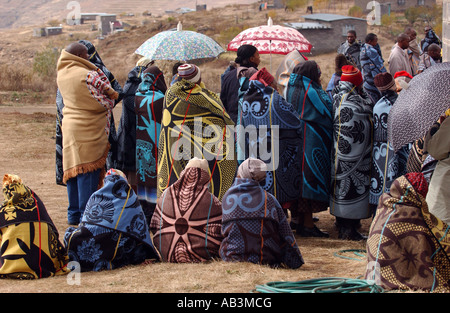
(191, 175)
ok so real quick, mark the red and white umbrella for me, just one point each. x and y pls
(271, 39)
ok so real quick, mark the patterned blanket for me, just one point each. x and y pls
(256, 228)
(408, 248)
(264, 113)
(186, 224)
(113, 231)
(30, 246)
(194, 123)
(315, 109)
(148, 109)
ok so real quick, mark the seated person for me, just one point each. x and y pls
(113, 231)
(408, 248)
(186, 223)
(254, 225)
(30, 246)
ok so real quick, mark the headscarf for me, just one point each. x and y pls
(309, 69)
(253, 169)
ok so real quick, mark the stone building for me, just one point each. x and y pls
(393, 5)
(327, 31)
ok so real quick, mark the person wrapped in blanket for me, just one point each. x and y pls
(408, 247)
(195, 124)
(30, 246)
(254, 226)
(186, 225)
(126, 133)
(113, 231)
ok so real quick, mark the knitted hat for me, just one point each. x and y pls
(351, 74)
(404, 74)
(402, 80)
(263, 76)
(384, 81)
(189, 72)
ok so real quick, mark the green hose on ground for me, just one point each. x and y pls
(322, 285)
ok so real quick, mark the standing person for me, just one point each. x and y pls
(187, 223)
(414, 51)
(430, 58)
(247, 57)
(285, 69)
(430, 37)
(126, 134)
(89, 101)
(148, 107)
(351, 48)
(315, 109)
(273, 135)
(371, 64)
(339, 62)
(254, 226)
(437, 144)
(195, 123)
(386, 165)
(351, 154)
(398, 59)
(94, 58)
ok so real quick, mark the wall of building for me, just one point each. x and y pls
(446, 31)
(328, 40)
(396, 5)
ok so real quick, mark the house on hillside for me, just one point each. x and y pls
(47, 31)
(327, 31)
(393, 5)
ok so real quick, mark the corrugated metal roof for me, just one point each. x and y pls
(307, 25)
(329, 17)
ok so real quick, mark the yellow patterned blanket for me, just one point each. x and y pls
(194, 124)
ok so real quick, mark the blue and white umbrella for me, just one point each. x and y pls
(179, 45)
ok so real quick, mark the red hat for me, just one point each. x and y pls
(351, 74)
(263, 76)
(402, 73)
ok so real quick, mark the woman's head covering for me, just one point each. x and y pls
(263, 76)
(144, 61)
(154, 76)
(339, 62)
(351, 74)
(402, 80)
(200, 163)
(252, 169)
(244, 53)
(190, 72)
(384, 81)
(309, 69)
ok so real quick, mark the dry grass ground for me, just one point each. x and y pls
(28, 150)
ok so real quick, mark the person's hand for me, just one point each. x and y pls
(114, 95)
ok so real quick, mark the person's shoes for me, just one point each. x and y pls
(347, 233)
(311, 232)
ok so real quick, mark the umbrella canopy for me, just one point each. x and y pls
(179, 45)
(419, 106)
(271, 39)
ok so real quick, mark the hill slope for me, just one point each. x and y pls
(18, 13)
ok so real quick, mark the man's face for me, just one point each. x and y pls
(427, 29)
(404, 43)
(435, 54)
(412, 35)
(374, 42)
(351, 38)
